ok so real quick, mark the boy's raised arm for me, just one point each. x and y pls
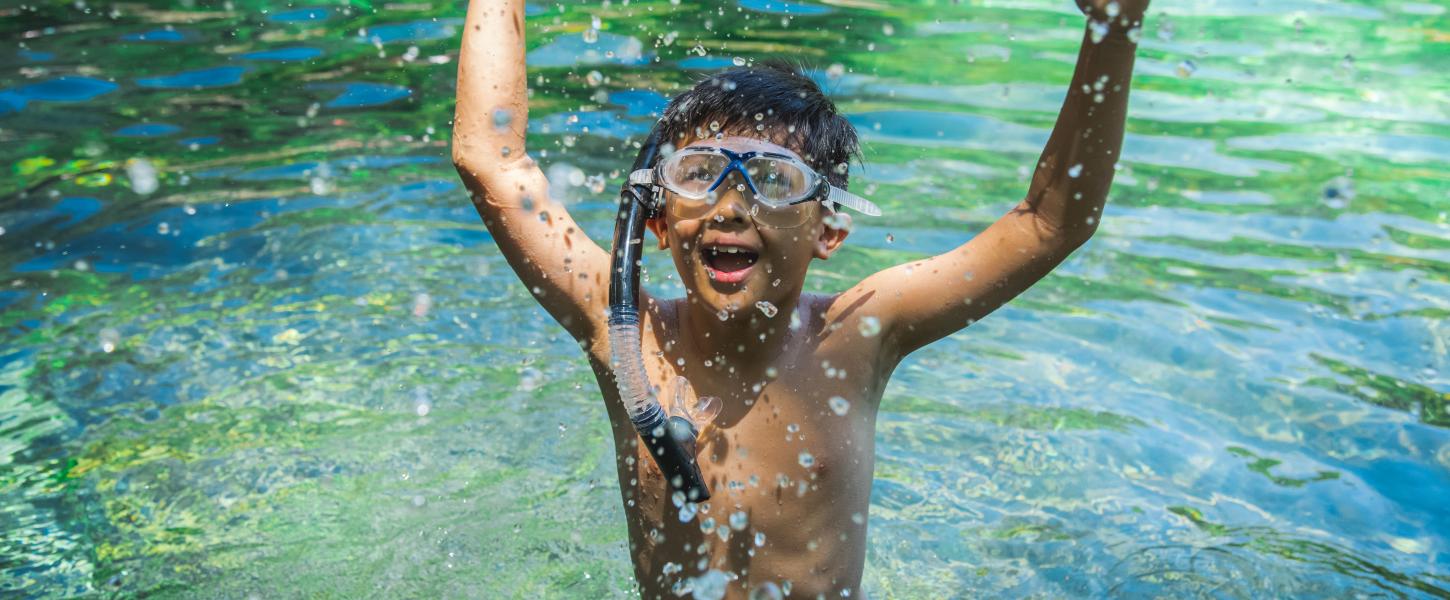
(926, 300)
(566, 271)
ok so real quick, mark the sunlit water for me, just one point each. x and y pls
(255, 340)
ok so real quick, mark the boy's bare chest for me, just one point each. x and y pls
(788, 461)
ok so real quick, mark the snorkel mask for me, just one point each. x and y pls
(670, 436)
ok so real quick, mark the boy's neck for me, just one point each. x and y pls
(748, 340)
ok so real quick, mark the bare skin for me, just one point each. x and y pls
(776, 376)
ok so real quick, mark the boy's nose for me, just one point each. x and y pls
(731, 204)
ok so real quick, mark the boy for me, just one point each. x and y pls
(797, 377)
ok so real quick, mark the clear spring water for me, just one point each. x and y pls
(255, 341)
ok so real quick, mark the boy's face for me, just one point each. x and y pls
(728, 259)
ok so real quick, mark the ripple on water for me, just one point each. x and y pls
(201, 78)
(573, 49)
(416, 31)
(61, 89)
(148, 130)
(316, 13)
(779, 7)
(363, 94)
(295, 53)
(157, 35)
(1396, 148)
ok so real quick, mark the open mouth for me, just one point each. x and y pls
(729, 264)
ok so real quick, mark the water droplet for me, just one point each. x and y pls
(1186, 68)
(766, 308)
(714, 126)
(807, 460)
(869, 326)
(739, 61)
(723, 314)
(707, 525)
(594, 78)
(1135, 34)
(110, 338)
(1098, 30)
(766, 591)
(839, 405)
(835, 71)
(888, 29)
(501, 118)
(1113, 9)
(739, 520)
(1074, 171)
(591, 35)
(142, 175)
(530, 379)
(163, 228)
(688, 511)
(710, 586)
(759, 538)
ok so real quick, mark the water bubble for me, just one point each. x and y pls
(163, 228)
(766, 591)
(835, 71)
(1186, 68)
(888, 29)
(890, 238)
(792, 428)
(807, 460)
(869, 326)
(1113, 9)
(1098, 30)
(1165, 28)
(710, 586)
(1074, 171)
(319, 186)
(838, 221)
(1135, 34)
(596, 184)
(563, 179)
(688, 511)
(142, 175)
(678, 498)
(766, 308)
(419, 501)
(707, 525)
(759, 538)
(739, 61)
(594, 78)
(590, 35)
(839, 405)
(759, 116)
(714, 126)
(530, 379)
(739, 520)
(110, 338)
(723, 314)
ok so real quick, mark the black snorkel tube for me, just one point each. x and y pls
(670, 439)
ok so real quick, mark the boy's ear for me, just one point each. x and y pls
(657, 225)
(830, 238)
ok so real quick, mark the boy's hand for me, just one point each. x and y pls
(1126, 13)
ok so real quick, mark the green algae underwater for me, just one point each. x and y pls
(255, 342)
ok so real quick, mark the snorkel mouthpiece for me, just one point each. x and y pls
(670, 438)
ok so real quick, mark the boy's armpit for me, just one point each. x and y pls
(925, 300)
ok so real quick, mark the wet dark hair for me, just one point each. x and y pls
(791, 105)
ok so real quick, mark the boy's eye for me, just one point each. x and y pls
(697, 175)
